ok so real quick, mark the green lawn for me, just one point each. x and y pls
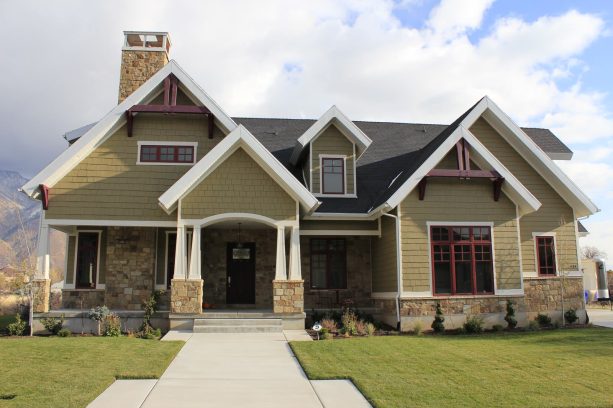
(562, 368)
(71, 372)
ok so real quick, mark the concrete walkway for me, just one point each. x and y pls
(601, 317)
(233, 370)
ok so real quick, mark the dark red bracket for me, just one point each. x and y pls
(463, 172)
(170, 107)
(44, 192)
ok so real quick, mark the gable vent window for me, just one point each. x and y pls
(166, 153)
(333, 175)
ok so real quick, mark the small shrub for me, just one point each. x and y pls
(571, 316)
(111, 325)
(98, 314)
(64, 333)
(473, 325)
(52, 324)
(370, 329)
(510, 316)
(360, 327)
(329, 325)
(418, 328)
(438, 324)
(326, 335)
(497, 327)
(151, 334)
(543, 320)
(555, 325)
(533, 325)
(18, 327)
(349, 321)
(150, 306)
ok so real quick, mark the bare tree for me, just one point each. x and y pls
(591, 252)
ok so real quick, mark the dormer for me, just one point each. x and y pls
(327, 154)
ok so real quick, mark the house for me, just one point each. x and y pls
(286, 216)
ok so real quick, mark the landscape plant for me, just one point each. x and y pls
(370, 329)
(52, 324)
(510, 316)
(98, 314)
(64, 333)
(571, 316)
(543, 320)
(112, 325)
(418, 328)
(150, 307)
(330, 325)
(349, 321)
(473, 325)
(18, 327)
(438, 324)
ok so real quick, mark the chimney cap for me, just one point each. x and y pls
(146, 41)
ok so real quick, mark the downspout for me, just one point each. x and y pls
(398, 268)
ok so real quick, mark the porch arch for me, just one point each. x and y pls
(214, 219)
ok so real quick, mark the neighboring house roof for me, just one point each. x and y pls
(583, 232)
(116, 118)
(238, 138)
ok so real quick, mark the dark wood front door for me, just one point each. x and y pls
(240, 281)
(87, 260)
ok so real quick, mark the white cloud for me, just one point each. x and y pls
(451, 17)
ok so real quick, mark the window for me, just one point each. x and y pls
(333, 175)
(328, 263)
(462, 261)
(86, 260)
(546, 255)
(150, 153)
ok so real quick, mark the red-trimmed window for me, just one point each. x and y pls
(328, 263)
(546, 255)
(462, 261)
(332, 175)
(166, 154)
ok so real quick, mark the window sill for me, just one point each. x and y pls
(326, 290)
(82, 290)
(457, 297)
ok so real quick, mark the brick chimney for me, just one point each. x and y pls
(143, 54)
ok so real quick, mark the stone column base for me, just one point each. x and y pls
(186, 296)
(41, 290)
(288, 296)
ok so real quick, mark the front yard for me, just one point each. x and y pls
(561, 368)
(71, 372)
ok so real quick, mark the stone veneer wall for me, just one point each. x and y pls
(186, 296)
(85, 299)
(359, 280)
(610, 282)
(130, 266)
(288, 296)
(214, 263)
(136, 68)
(542, 295)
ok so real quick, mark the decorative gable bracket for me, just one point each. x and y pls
(169, 107)
(463, 172)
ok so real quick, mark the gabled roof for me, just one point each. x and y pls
(513, 134)
(339, 119)
(100, 131)
(238, 138)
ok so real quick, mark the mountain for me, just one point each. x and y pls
(19, 222)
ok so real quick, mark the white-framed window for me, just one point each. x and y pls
(87, 259)
(166, 153)
(545, 254)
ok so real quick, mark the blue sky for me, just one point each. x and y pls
(546, 63)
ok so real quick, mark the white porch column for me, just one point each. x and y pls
(280, 273)
(42, 252)
(294, 255)
(195, 263)
(180, 254)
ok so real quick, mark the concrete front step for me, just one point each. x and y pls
(237, 322)
(238, 329)
(239, 315)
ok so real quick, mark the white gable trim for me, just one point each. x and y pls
(95, 136)
(533, 154)
(512, 187)
(238, 138)
(340, 120)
